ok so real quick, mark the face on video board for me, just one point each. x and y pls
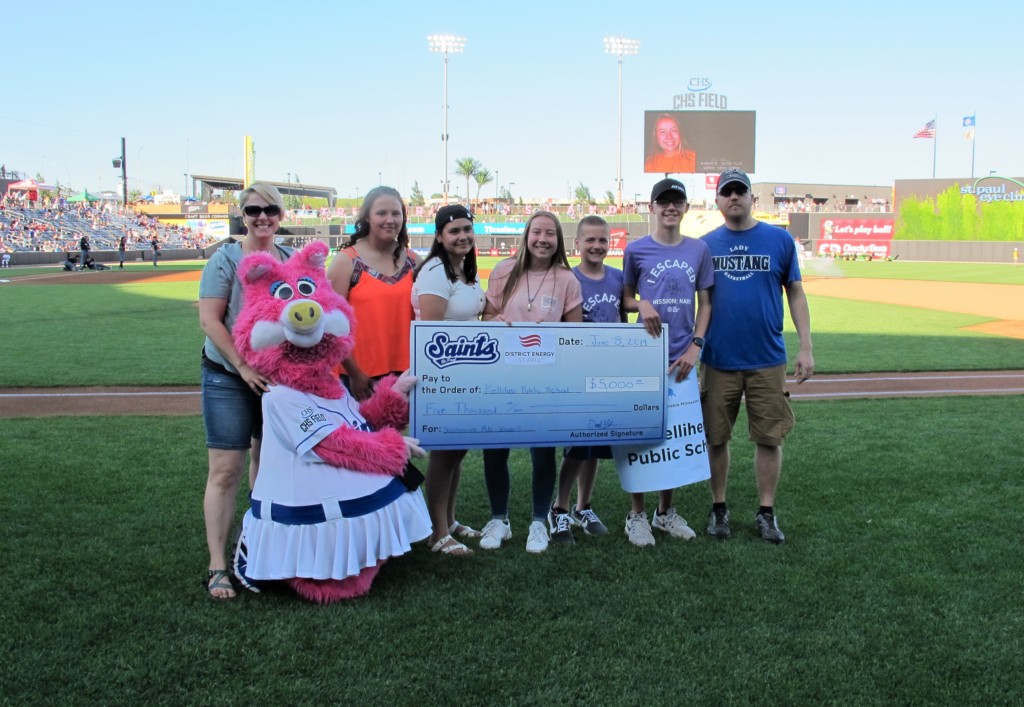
(703, 142)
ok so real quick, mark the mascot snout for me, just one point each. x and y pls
(303, 316)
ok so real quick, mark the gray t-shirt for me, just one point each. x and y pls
(669, 277)
(220, 281)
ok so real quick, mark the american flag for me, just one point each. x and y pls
(928, 131)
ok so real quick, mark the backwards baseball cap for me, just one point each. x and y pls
(665, 187)
(730, 176)
(447, 214)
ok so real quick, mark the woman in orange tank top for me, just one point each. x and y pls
(374, 273)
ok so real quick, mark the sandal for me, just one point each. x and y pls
(464, 531)
(450, 546)
(219, 579)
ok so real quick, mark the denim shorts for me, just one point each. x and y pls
(232, 412)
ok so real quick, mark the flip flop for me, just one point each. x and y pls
(450, 546)
(464, 531)
(219, 579)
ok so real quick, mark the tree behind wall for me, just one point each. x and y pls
(483, 176)
(582, 194)
(467, 167)
(416, 195)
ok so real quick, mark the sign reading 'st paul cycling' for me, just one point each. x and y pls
(490, 384)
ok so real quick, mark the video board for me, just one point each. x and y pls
(698, 141)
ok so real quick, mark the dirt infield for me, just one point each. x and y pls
(184, 400)
(1001, 302)
(108, 277)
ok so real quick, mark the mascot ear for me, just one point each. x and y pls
(255, 266)
(315, 254)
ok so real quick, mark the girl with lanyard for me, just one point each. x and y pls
(537, 285)
(446, 288)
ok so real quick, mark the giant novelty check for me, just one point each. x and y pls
(488, 384)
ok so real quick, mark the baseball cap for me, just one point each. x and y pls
(447, 214)
(733, 175)
(665, 186)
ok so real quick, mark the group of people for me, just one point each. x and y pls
(720, 295)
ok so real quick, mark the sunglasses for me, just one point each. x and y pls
(254, 211)
(665, 203)
(730, 189)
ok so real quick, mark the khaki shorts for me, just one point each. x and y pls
(769, 415)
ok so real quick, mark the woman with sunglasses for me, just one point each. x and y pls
(537, 285)
(374, 273)
(447, 288)
(231, 389)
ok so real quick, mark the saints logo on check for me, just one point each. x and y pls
(442, 351)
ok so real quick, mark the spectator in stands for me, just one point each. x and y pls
(670, 153)
(231, 389)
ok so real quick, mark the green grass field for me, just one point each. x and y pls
(148, 333)
(896, 584)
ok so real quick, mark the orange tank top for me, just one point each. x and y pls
(383, 306)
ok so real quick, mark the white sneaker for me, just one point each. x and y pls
(495, 533)
(537, 541)
(638, 529)
(673, 524)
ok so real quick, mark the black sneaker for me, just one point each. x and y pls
(560, 524)
(589, 521)
(718, 524)
(768, 527)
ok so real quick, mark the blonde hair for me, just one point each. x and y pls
(266, 191)
(523, 256)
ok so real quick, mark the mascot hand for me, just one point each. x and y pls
(387, 407)
(413, 445)
(383, 452)
(404, 384)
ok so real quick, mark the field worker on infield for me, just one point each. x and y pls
(670, 274)
(601, 288)
(745, 354)
(537, 285)
(232, 410)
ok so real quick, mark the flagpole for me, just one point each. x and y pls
(974, 138)
(935, 145)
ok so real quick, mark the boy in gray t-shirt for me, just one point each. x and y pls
(669, 274)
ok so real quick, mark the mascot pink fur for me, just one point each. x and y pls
(335, 497)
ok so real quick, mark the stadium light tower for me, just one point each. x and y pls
(445, 44)
(622, 47)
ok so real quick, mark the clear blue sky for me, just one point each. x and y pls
(341, 92)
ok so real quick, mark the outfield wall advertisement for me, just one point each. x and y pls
(842, 237)
(988, 208)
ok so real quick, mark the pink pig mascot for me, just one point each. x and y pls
(333, 500)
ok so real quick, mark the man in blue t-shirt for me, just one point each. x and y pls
(745, 354)
(670, 275)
